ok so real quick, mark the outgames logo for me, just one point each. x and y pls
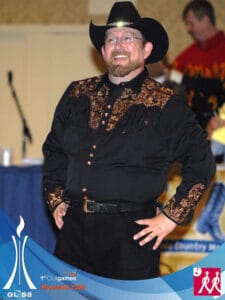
(207, 281)
(19, 267)
(66, 282)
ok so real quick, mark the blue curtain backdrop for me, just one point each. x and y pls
(21, 195)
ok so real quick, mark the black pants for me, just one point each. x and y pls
(103, 244)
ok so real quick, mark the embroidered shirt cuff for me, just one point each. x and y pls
(55, 198)
(182, 212)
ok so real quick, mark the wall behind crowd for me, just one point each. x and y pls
(46, 45)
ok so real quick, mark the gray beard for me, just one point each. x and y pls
(121, 71)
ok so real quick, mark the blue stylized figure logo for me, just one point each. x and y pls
(19, 259)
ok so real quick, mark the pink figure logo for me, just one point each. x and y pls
(207, 281)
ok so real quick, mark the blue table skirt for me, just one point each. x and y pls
(21, 195)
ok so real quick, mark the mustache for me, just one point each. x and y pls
(116, 52)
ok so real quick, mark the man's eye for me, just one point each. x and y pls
(110, 40)
(128, 39)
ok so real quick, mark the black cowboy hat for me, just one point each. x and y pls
(124, 14)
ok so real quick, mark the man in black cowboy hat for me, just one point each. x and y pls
(107, 156)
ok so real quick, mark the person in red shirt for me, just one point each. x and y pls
(202, 65)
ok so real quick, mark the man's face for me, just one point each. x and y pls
(124, 51)
(197, 28)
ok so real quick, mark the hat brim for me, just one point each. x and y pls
(152, 30)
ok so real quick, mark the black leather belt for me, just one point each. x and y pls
(93, 207)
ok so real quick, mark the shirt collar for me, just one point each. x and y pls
(134, 84)
(214, 41)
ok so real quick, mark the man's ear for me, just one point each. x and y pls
(148, 49)
(103, 51)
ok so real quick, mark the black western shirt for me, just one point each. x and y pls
(117, 142)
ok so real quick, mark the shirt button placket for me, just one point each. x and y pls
(91, 155)
(105, 115)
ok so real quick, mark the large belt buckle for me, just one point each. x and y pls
(86, 207)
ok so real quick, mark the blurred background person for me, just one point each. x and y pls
(200, 68)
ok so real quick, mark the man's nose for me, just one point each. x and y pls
(119, 43)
